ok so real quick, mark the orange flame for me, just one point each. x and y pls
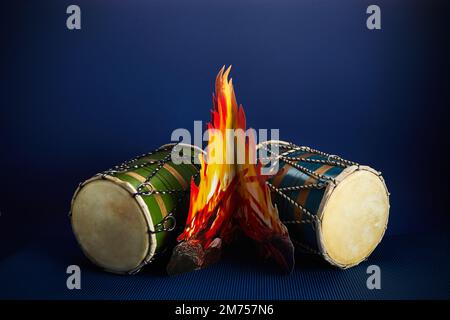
(211, 203)
(231, 193)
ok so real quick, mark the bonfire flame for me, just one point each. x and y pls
(230, 194)
(211, 203)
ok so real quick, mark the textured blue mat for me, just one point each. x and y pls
(411, 268)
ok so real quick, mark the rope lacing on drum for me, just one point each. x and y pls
(161, 226)
(310, 217)
(130, 165)
(322, 180)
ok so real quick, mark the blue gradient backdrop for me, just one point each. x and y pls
(76, 102)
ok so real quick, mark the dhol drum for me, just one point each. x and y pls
(332, 207)
(126, 216)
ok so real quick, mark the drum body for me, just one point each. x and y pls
(332, 207)
(124, 217)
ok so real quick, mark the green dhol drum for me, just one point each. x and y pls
(126, 216)
(332, 207)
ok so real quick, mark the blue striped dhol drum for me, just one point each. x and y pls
(332, 207)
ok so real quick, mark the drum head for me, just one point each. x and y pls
(354, 216)
(111, 225)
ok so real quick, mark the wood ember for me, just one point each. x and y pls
(186, 256)
(189, 256)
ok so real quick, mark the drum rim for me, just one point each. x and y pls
(151, 239)
(327, 195)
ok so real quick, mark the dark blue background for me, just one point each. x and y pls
(76, 102)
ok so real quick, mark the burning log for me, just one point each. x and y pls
(190, 256)
(187, 256)
(229, 194)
